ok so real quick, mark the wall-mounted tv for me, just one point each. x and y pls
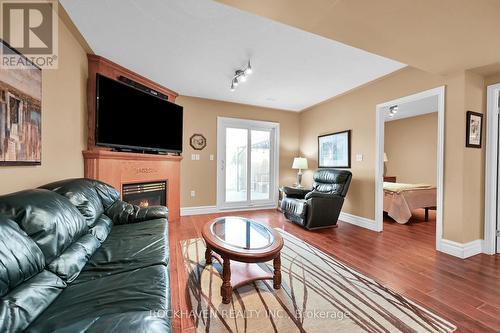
(130, 119)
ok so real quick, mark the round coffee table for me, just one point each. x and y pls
(239, 244)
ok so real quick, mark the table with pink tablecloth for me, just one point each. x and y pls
(400, 201)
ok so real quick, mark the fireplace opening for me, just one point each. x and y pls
(145, 194)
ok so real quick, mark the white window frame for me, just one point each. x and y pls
(224, 122)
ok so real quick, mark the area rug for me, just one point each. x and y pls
(319, 294)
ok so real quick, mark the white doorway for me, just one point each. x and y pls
(247, 163)
(491, 243)
(381, 111)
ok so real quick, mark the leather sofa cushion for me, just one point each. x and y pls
(138, 321)
(331, 181)
(102, 228)
(47, 217)
(116, 303)
(91, 197)
(122, 212)
(69, 264)
(20, 257)
(129, 247)
(23, 304)
(296, 207)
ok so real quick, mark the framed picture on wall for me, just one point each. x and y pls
(474, 129)
(334, 150)
(20, 113)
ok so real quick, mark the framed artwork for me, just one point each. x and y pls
(20, 114)
(474, 129)
(334, 150)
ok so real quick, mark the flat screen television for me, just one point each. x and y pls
(130, 119)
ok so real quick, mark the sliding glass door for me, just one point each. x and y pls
(247, 163)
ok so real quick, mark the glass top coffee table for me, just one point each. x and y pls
(239, 244)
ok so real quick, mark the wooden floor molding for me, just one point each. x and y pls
(402, 257)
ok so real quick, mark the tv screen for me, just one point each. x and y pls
(129, 118)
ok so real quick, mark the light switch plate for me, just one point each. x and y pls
(359, 157)
(211, 157)
(193, 193)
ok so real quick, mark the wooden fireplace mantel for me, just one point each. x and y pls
(119, 168)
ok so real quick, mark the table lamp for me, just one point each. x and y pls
(299, 163)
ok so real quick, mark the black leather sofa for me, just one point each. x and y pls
(75, 258)
(320, 206)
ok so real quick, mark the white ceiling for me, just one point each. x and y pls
(194, 47)
(415, 108)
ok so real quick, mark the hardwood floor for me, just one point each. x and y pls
(466, 292)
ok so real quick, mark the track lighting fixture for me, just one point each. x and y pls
(241, 75)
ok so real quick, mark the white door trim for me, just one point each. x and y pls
(245, 123)
(379, 157)
(491, 178)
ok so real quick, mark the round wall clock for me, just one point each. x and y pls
(197, 141)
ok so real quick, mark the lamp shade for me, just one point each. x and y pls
(299, 163)
(385, 158)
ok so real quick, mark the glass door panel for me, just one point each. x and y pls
(247, 169)
(236, 165)
(260, 166)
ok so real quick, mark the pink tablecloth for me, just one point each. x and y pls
(399, 205)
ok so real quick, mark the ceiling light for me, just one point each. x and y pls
(241, 75)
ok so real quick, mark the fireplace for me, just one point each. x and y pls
(145, 194)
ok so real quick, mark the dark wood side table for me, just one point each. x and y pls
(390, 179)
(238, 244)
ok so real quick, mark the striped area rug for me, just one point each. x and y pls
(318, 294)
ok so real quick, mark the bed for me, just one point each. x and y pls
(400, 199)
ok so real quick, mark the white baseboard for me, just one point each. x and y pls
(461, 250)
(358, 221)
(200, 210)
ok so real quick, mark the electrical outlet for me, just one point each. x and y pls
(359, 157)
(193, 193)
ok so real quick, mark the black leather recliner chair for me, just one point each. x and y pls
(321, 206)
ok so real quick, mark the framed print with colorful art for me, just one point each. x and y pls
(20, 114)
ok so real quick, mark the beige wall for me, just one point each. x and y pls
(200, 116)
(64, 131)
(63, 121)
(411, 148)
(463, 179)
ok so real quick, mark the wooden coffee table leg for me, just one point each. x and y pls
(277, 272)
(226, 290)
(208, 256)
